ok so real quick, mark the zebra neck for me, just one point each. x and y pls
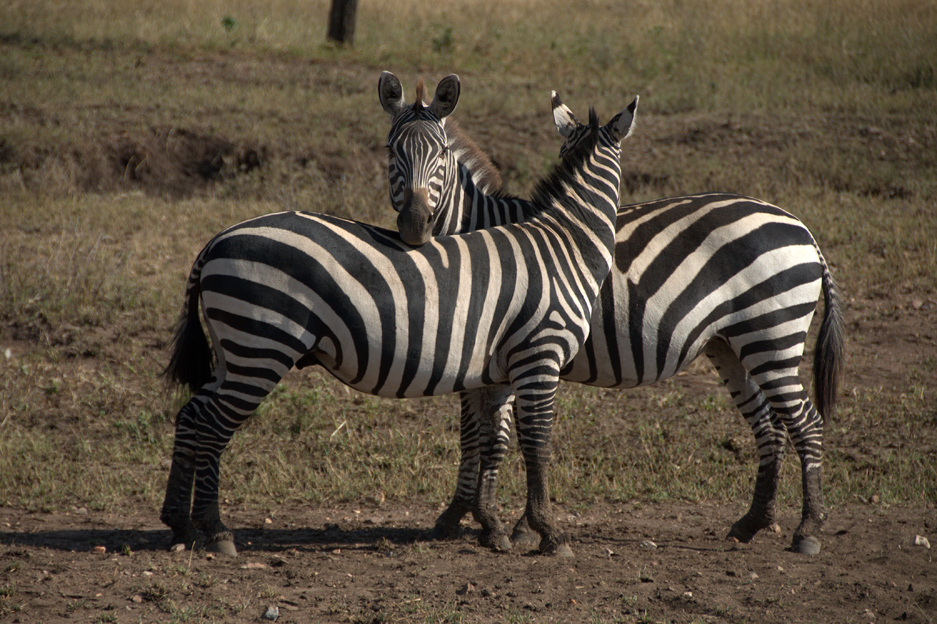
(579, 202)
(465, 206)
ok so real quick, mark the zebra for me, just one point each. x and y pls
(733, 277)
(508, 305)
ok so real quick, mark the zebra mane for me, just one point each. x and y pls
(485, 175)
(420, 94)
(551, 189)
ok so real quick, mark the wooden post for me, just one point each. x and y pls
(342, 21)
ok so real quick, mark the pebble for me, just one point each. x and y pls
(920, 540)
(465, 590)
(272, 613)
(254, 565)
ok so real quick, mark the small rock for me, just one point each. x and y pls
(920, 540)
(177, 548)
(755, 576)
(875, 499)
(136, 598)
(272, 613)
(268, 520)
(467, 589)
(103, 549)
(687, 594)
(648, 544)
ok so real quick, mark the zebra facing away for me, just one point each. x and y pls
(508, 305)
(732, 277)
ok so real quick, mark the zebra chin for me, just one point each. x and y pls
(415, 221)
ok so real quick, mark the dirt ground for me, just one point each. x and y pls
(635, 561)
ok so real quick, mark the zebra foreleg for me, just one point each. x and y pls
(177, 503)
(494, 437)
(534, 404)
(448, 523)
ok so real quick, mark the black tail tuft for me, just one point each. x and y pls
(828, 359)
(191, 361)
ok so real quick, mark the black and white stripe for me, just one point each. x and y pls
(508, 305)
(732, 277)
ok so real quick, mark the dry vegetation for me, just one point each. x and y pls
(132, 132)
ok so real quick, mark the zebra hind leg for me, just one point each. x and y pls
(177, 503)
(770, 438)
(805, 427)
(213, 434)
(780, 383)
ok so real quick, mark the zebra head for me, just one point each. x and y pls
(417, 152)
(574, 131)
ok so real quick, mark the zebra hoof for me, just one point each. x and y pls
(558, 550)
(806, 545)
(495, 540)
(740, 533)
(501, 543)
(224, 547)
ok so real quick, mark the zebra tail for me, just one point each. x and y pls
(191, 361)
(830, 352)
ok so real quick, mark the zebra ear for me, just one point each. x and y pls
(390, 93)
(447, 96)
(564, 119)
(622, 124)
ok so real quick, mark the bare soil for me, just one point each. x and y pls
(634, 562)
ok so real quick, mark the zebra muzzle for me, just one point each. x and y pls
(415, 220)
